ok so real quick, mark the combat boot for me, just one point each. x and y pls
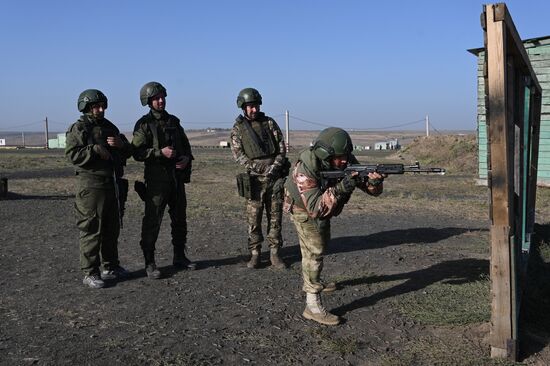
(181, 261)
(276, 260)
(254, 261)
(150, 266)
(316, 311)
(152, 271)
(329, 287)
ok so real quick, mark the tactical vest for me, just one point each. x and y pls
(165, 132)
(257, 145)
(96, 134)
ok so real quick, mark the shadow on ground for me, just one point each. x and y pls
(453, 272)
(382, 239)
(535, 307)
(56, 197)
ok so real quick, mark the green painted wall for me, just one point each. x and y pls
(538, 51)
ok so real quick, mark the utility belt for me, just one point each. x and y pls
(95, 178)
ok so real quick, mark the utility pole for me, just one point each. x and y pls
(46, 123)
(23, 138)
(427, 126)
(287, 121)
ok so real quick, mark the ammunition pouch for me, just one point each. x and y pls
(245, 185)
(140, 189)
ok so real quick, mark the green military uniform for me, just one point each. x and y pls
(97, 208)
(164, 184)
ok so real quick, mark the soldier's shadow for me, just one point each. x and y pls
(379, 240)
(54, 197)
(456, 272)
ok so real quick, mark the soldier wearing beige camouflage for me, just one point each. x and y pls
(257, 144)
(312, 202)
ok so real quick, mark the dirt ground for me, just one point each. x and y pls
(387, 253)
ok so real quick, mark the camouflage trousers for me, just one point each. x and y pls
(97, 219)
(314, 235)
(268, 196)
(159, 194)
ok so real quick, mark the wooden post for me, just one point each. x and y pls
(502, 343)
(513, 144)
(427, 126)
(46, 132)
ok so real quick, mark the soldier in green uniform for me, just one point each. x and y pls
(312, 202)
(99, 151)
(161, 143)
(257, 144)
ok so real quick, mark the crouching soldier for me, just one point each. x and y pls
(312, 202)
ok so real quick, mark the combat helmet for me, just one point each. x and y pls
(332, 141)
(90, 96)
(149, 90)
(248, 95)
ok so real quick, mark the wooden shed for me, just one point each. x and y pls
(538, 50)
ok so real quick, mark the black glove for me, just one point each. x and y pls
(347, 185)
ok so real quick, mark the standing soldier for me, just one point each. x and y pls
(99, 151)
(257, 144)
(160, 142)
(312, 202)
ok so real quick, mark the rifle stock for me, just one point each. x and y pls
(365, 169)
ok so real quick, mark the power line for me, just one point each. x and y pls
(19, 126)
(358, 129)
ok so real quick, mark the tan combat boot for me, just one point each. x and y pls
(330, 287)
(276, 260)
(254, 261)
(316, 311)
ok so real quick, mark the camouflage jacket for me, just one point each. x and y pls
(306, 191)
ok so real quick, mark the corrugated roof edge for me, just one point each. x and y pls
(531, 42)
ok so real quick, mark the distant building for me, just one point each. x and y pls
(538, 51)
(59, 142)
(224, 144)
(387, 145)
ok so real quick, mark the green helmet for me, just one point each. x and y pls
(332, 141)
(248, 95)
(90, 96)
(149, 90)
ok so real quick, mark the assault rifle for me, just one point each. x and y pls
(364, 170)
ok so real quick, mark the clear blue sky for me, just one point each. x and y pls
(354, 64)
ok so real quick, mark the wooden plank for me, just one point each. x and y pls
(501, 321)
(498, 129)
(542, 63)
(543, 50)
(502, 10)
